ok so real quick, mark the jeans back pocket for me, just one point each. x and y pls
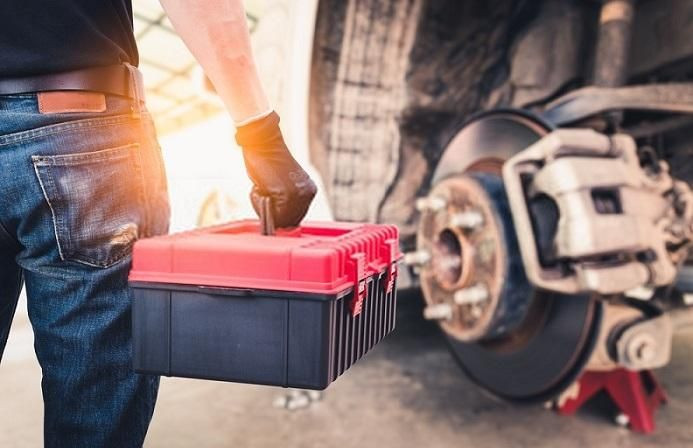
(96, 199)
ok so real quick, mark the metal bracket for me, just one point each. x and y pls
(646, 344)
(588, 101)
(617, 222)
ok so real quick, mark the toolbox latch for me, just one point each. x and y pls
(390, 254)
(358, 275)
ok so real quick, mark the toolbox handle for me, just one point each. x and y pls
(266, 218)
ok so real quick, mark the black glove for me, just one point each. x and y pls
(274, 172)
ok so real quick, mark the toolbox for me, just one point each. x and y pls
(294, 309)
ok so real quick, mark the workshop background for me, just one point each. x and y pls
(407, 393)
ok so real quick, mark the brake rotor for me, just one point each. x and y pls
(518, 343)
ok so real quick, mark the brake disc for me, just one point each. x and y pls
(518, 343)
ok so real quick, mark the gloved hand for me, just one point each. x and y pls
(274, 172)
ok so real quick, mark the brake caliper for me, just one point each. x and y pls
(617, 226)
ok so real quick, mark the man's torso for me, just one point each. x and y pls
(52, 36)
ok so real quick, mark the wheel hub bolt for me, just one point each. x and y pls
(439, 311)
(431, 204)
(469, 220)
(417, 258)
(471, 296)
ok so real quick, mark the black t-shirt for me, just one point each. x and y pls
(51, 36)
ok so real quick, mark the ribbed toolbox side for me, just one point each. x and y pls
(355, 336)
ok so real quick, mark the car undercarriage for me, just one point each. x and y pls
(537, 158)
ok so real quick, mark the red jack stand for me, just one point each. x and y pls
(637, 395)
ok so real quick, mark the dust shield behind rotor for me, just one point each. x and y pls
(550, 348)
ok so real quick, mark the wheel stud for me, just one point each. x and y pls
(471, 296)
(430, 204)
(417, 258)
(439, 311)
(469, 220)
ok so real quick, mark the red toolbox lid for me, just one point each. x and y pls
(318, 257)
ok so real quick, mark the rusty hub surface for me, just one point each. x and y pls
(470, 268)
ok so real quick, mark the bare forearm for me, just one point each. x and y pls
(216, 32)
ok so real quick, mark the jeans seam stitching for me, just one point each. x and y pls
(143, 193)
(50, 206)
(111, 261)
(70, 160)
(53, 129)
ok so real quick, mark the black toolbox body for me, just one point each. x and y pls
(289, 338)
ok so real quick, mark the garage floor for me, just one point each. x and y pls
(407, 393)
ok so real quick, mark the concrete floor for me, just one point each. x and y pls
(407, 393)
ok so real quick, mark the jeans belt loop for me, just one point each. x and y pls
(137, 89)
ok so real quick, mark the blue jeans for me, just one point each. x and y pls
(76, 191)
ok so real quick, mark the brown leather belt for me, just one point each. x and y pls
(124, 80)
